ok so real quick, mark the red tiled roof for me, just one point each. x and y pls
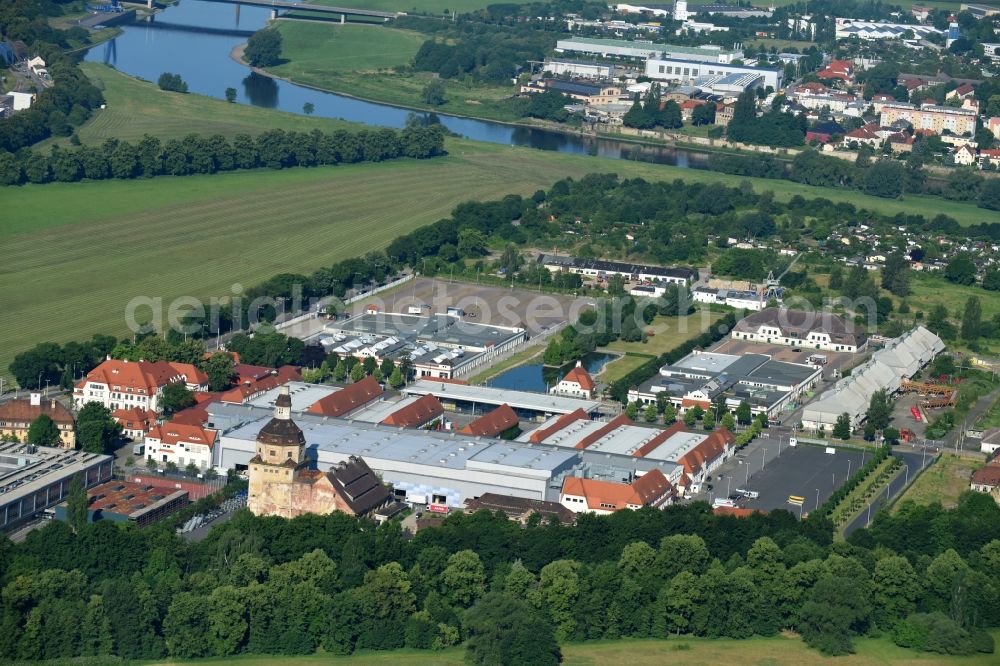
(660, 437)
(196, 415)
(540, 434)
(174, 433)
(348, 398)
(739, 512)
(648, 490)
(425, 409)
(708, 450)
(20, 410)
(617, 422)
(143, 377)
(249, 388)
(135, 418)
(987, 476)
(579, 375)
(493, 423)
(191, 374)
(964, 89)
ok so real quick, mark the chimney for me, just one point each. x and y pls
(53, 405)
(36, 399)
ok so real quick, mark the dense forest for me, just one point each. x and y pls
(925, 577)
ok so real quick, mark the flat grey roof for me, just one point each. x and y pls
(539, 402)
(380, 410)
(442, 328)
(419, 447)
(25, 468)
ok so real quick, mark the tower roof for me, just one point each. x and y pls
(282, 430)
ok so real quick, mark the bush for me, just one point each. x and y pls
(172, 83)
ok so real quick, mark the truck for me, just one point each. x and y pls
(415, 309)
(749, 494)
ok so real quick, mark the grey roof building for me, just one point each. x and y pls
(813, 330)
(900, 359)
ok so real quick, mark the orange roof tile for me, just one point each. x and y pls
(651, 489)
(579, 375)
(541, 433)
(417, 413)
(706, 451)
(492, 423)
(174, 433)
(618, 421)
(347, 399)
(20, 410)
(135, 418)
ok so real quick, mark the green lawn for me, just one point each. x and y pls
(620, 367)
(368, 62)
(313, 49)
(942, 482)
(776, 651)
(436, 7)
(668, 332)
(931, 290)
(991, 419)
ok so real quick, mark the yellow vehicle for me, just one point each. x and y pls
(796, 500)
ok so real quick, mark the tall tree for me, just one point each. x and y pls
(44, 431)
(896, 275)
(175, 397)
(221, 370)
(879, 409)
(76, 504)
(842, 428)
(96, 431)
(264, 48)
(972, 319)
(504, 630)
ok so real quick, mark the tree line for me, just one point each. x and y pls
(885, 178)
(277, 586)
(194, 154)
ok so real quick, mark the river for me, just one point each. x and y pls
(194, 39)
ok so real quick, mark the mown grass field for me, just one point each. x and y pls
(83, 250)
(620, 367)
(668, 332)
(316, 48)
(369, 61)
(942, 482)
(777, 651)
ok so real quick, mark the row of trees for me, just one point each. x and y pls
(273, 149)
(276, 586)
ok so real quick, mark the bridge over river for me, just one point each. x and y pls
(343, 12)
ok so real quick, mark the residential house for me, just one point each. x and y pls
(577, 384)
(180, 444)
(987, 479)
(17, 415)
(123, 384)
(989, 157)
(965, 156)
(135, 421)
(863, 136)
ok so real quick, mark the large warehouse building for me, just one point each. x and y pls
(701, 378)
(624, 48)
(34, 478)
(684, 70)
(441, 345)
(444, 468)
(900, 359)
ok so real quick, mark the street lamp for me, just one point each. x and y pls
(817, 500)
(763, 460)
(39, 383)
(848, 468)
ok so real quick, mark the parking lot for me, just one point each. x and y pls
(498, 306)
(902, 417)
(804, 471)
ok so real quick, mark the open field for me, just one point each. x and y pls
(668, 332)
(137, 107)
(436, 7)
(312, 49)
(87, 248)
(358, 60)
(776, 651)
(941, 482)
(620, 367)
(929, 291)
(991, 419)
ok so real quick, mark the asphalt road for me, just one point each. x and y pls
(913, 462)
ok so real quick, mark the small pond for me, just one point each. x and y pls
(538, 378)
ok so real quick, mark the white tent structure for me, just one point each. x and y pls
(900, 359)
